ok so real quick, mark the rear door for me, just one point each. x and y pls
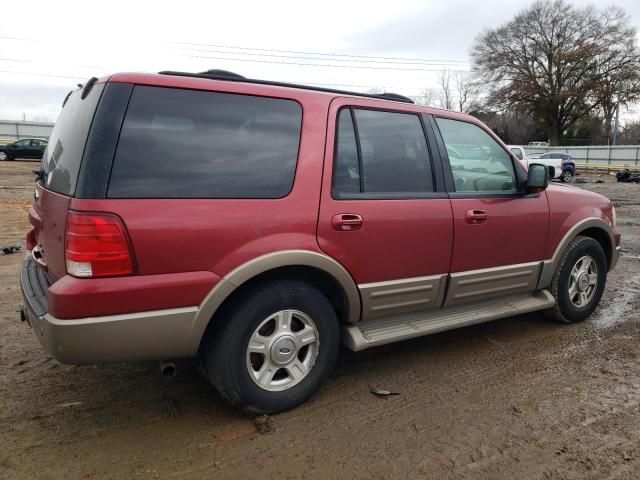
(34, 149)
(384, 214)
(500, 233)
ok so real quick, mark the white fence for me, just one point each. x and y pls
(11, 130)
(618, 156)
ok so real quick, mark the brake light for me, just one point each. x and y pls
(97, 245)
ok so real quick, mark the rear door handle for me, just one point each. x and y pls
(347, 222)
(476, 217)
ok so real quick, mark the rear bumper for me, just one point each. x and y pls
(151, 335)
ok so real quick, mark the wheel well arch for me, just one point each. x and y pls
(319, 270)
(603, 238)
(591, 227)
(320, 279)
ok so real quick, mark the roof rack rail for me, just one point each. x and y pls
(221, 74)
(394, 96)
(216, 74)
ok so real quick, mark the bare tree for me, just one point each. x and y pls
(446, 93)
(428, 98)
(630, 134)
(465, 89)
(553, 59)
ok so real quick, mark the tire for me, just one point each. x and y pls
(579, 305)
(235, 369)
(3, 156)
(566, 176)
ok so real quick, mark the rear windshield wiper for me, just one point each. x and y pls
(39, 174)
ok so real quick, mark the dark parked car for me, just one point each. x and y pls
(568, 165)
(25, 148)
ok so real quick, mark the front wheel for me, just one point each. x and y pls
(277, 345)
(3, 156)
(579, 281)
(566, 176)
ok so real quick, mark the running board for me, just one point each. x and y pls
(402, 327)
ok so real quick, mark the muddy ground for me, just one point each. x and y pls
(516, 398)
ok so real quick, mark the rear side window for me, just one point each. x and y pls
(63, 155)
(382, 152)
(196, 144)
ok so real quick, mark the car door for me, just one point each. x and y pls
(37, 147)
(34, 148)
(499, 233)
(21, 148)
(384, 214)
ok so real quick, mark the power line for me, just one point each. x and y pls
(40, 74)
(6, 37)
(318, 65)
(334, 56)
(298, 57)
(401, 59)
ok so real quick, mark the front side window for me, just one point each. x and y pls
(389, 155)
(179, 143)
(22, 143)
(478, 162)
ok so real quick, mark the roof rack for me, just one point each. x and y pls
(234, 77)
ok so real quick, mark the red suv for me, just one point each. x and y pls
(258, 224)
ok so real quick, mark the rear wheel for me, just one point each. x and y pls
(579, 281)
(278, 344)
(566, 176)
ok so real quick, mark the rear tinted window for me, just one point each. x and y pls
(392, 154)
(63, 155)
(196, 144)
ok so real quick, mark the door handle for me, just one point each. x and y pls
(476, 217)
(347, 222)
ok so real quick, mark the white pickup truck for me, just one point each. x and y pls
(520, 152)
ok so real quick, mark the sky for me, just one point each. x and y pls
(397, 47)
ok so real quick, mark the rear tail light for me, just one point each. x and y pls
(96, 245)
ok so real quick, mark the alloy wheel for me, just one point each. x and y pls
(583, 281)
(282, 350)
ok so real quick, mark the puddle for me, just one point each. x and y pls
(617, 310)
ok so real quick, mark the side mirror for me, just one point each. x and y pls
(537, 178)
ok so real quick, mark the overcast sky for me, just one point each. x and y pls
(44, 54)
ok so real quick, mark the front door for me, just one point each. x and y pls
(500, 233)
(384, 213)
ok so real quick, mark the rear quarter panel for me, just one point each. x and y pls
(217, 235)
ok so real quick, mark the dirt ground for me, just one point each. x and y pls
(516, 398)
